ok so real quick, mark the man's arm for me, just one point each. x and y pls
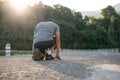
(58, 44)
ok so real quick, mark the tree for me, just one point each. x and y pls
(76, 32)
(78, 21)
(62, 13)
(91, 23)
(108, 12)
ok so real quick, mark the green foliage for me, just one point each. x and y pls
(108, 12)
(16, 53)
(20, 53)
(2, 53)
(76, 32)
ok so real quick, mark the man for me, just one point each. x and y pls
(43, 39)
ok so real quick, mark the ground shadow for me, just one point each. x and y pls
(72, 69)
(110, 58)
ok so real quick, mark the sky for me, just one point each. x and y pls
(77, 5)
(82, 5)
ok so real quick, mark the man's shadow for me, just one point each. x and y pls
(73, 69)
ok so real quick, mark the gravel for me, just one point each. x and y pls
(73, 66)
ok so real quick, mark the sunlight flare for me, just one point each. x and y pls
(19, 4)
(22, 4)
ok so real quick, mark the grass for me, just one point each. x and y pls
(17, 53)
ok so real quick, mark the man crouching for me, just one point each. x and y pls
(43, 39)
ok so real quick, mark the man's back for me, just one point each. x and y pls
(44, 31)
(43, 39)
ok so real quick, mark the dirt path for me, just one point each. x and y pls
(73, 66)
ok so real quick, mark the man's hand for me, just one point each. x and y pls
(57, 57)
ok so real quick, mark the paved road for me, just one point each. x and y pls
(75, 65)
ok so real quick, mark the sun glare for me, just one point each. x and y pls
(20, 5)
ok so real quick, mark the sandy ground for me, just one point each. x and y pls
(73, 66)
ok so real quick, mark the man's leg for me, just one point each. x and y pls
(39, 52)
(45, 45)
(38, 55)
(50, 50)
(49, 53)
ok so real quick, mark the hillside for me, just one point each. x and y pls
(96, 14)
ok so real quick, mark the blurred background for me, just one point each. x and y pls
(78, 30)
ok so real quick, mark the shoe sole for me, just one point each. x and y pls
(36, 56)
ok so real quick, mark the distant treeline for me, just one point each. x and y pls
(77, 32)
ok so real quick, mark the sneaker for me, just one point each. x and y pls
(36, 55)
(49, 57)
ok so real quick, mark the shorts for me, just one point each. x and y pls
(42, 45)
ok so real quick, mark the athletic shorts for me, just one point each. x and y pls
(45, 44)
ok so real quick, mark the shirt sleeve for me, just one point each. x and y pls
(57, 28)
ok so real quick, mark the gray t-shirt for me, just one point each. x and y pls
(44, 31)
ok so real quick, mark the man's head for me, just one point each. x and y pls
(50, 19)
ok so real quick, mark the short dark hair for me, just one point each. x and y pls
(50, 19)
